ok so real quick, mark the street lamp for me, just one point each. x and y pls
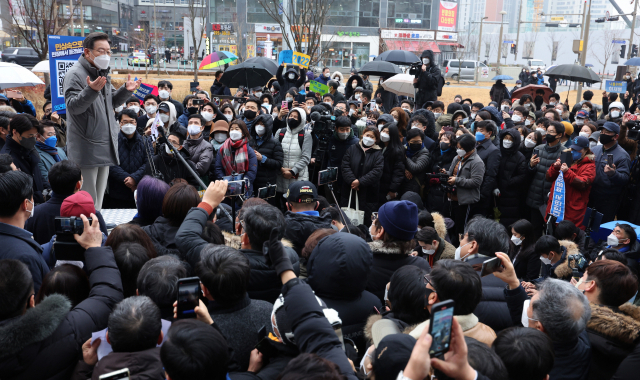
(479, 48)
(502, 13)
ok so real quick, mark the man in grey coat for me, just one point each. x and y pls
(92, 130)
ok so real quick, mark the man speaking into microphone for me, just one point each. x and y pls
(92, 130)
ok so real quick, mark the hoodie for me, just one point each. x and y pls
(349, 89)
(428, 81)
(286, 83)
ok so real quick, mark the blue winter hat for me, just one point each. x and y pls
(399, 219)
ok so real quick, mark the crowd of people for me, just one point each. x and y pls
(336, 281)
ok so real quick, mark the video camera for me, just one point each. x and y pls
(633, 130)
(65, 245)
(443, 178)
(415, 68)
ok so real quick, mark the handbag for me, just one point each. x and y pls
(356, 216)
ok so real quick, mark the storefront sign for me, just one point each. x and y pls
(268, 28)
(64, 52)
(403, 34)
(443, 36)
(350, 34)
(227, 27)
(447, 16)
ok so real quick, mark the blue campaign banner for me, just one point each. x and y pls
(64, 52)
(619, 87)
(557, 206)
(285, 56)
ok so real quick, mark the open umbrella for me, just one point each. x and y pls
(41, 67)
(12, 75)
(531, 90)
(380, 68)
(215, 59)
(635, 61)
(502, 77)
(399, 57)
(400, 84)
(574, 73)
(248, 74)
(267, 63)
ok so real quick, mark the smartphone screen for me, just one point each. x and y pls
(490, 266)
(327, 176)
(267, 192)
(610, 160)
(121, 374)
(536, 152)
(235, 188)
(285, 104)
(188, 297)
(440, 327)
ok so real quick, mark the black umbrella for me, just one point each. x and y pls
(380, 68)
(574, 73)
(267, 63)
(399, 57)
(248, 74)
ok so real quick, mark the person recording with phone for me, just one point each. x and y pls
(427, 80)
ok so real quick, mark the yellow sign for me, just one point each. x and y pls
(581, 43)
(7, 43)
(300, 59)
(559, 18)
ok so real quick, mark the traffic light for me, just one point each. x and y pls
(513, 48)
(622, 49)
(601, 19)
(634, 50)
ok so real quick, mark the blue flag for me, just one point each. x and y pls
(557, 205)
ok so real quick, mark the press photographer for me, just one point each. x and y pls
(428, 81)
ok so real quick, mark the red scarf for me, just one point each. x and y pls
(235, 162)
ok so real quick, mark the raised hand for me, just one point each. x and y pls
(97, 84)
(132, 85)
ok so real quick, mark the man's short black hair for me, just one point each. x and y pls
(588, 95)
(406, 294)
(178, 135)
(458, 281)
(613, 254)
(409, 102)
(438, 104)
(327, 95)
(24, 122)
(488, 126)
(224, 271)
(158, 279)
(130, 257)
(199, 117)
(484, 360)
(151, 96)
(16, 286)
(478, 105)
(5, 163)
(544, 121)
(343, 121)
(565, 230)
(555, 96)
(629, 231)
(188, 350)
(90, 40)
(467, 142)
(4, 122)
(164, 83)
(413, 132)
(63, 177)
(546, 244)
(134, 325)
(420, 119)
(46, 104)
(558, 126)
(15, 187)
(133, 99)
(333, 213)
(527, 353)
(490, 235)
(367, 94)
(259, 221)
(128, 112)
(333, 83)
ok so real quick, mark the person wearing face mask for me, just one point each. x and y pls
(491, 156)
(61, 125)
(342, 139)
(393, 171)
(511, 179)
(434, 247)
(429, 79)
(366, 83)
(189, 109)
(133, 151)
(217, 88)
(325, 76)
(200, 149)
(443, 155)
(169, 119)
(228, 112)
(554, 257)
(610, 181)
(577, 178)
(164, 95)
(361, 167)
(133, 103)
(444, 120)
(170, 166)
(268, 152)
(297, 144)
(416, 162)
(294, 77)
(92, 130)
(218, 135)
(623, 238)
(46, 148)
(20, 145)
(151, 108)
(524, 76)
(531, 140)
(525, 260)
(352, 85)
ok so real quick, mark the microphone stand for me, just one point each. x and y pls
(176, 153)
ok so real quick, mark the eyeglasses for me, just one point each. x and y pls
(374, 216)
(103, 52)
(125, 121)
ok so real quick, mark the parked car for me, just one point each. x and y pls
(138, 59)
(23, 56)
(535, 64)
(464, 68)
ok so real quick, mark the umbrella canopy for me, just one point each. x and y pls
(400, 84)
(574, 73)
(246, 74)
(635, 61)
(531, 90)
(215, 59)
(380, 68)
(263, 62)
(12, 75)
(588, 65)
(502, 77)
(41, 67)
(399, 57)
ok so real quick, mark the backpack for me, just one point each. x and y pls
(282, 132)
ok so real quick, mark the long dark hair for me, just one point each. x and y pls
(68, 280)
(395, 143)
(525, 229)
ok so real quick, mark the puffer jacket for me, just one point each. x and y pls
(171, 168)
(28, 162)
(271, 150)
(540, 187)
(294, 157)
(428, 81)
(218, 88)
(286, 83)
(348, 87)
(417, 165)
(512, 176)
(338, 268)
(492, 310)
(578, 180)
(468, 179)
(436, 199)
(392, 174)
(389, 99)
(162, 233)
(471, 327)
(366, 167)
(300, 226)
(133, 163)
(201, 154)
(336, 149)
(490, 155)
(605, 185)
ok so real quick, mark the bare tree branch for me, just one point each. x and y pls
(196, 10)
(604, 48)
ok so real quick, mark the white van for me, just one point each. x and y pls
(535, 64)
(465, 68)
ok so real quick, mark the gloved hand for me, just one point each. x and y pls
(496, 192)
(276, 253)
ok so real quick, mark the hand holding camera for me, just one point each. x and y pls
(91, 236)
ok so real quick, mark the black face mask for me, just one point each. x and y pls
(250, 114)
(192, 110)
(444, 146)
(605, 139)
(538, 98)
(550, 138)
(415, 147)
(293, 123)
(28, 143)
(337, 112)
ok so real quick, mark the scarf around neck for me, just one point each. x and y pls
(235, 156)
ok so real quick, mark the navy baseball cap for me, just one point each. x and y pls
(611, 126)
(579, 143)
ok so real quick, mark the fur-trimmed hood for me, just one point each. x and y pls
(564, 270)
(439, 224)
(373, 318)
(34, 326)
(622, 324)
(377, 247)
(233, 241)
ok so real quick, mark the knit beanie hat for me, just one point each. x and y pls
(399, 219)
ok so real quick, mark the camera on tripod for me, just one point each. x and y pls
(65, 245)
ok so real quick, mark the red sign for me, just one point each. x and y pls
(447, 16)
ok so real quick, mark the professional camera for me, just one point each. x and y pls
(65, 245)
(442, 179)
(415, 68)
(633, 130)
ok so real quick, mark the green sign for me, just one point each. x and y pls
(350, 34)
(318, 87)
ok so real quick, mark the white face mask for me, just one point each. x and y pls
(459, 251)
(425, 61)
(33, 209)
(384, 137)
(119, 108)
(472, 116)
(516, 240)
(292, 76)
(151, 109)
(545, 261)
(592, 144)
(235, 135)
(552, 103)
(583, 134)
(615, 114)
(163, 94)
(289, 99)
(164, 118)
(529, 143)
(357, 96)
(208, 116)
(516, 118)
(260, 130)
(613, 241)
(415, 126)
(436, 114)
(193, 129)
(542, 131)
(135, 109)
(507, 144)
(220, 137)
(258, 94)
(101, 61)
(228, 117)
(428, 251)
(372, 234)
(368, 141)
(128, 129)
(579, 121)
(527, 122)
(461, 152)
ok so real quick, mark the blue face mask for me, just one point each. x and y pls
(479, 136)
(576, 155)
(51, 141)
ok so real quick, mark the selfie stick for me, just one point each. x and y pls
(182, 160)
(334, 199)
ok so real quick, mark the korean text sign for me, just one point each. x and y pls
(64, 52)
